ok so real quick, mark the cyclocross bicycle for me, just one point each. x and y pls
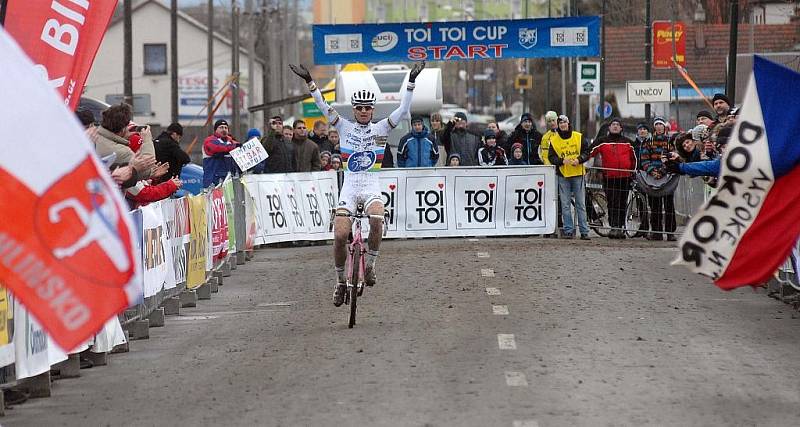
(356, 253)
(636, 211)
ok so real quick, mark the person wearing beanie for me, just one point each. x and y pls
(217, 160)
(336, 162)
(490, 154)
(721, 105)
(454, 160)
(657, 148)
(526, 134)
(325, 160)
(261, 167)
(618, 161)
(500, 136)
(516, 155)
(705, 118)
(415, 149)
(551, 121)
(568, 152)
(458, 139)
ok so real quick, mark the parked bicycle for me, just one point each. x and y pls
(636, 211)
(356, 253)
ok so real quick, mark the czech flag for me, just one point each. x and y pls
(748, 228)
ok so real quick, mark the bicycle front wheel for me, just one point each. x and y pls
(354, 278)
(600, 205)
(633, 215)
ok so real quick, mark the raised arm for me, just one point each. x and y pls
(405, 102)
(327, 110)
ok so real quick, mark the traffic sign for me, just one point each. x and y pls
(523, 81)
(588, 78)
(607, 110)
(648, 91)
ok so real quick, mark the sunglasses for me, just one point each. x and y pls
(363, 108)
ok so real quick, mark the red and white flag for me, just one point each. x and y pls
(61, 37)
(67, 246)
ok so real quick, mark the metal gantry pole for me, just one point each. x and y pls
(173, 55)
(602, 68)
(236, 119)
(251, 51)
(648, 46)
(127, 63)
(210, 67)
(674, 64)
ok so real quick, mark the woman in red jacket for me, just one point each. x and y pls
(619, 162)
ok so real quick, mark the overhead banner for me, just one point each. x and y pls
(62, 39)
(446, 41)
(424, 202)
(67, 245)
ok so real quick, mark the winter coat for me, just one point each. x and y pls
(281, 153)
(169, 150)
(492, 156)
(306, 155)
(388, 158)
(322, 142)
(657, 146)
(144, 193)
(463, 142)
(416, 150)
(704, 168)
(108, 142)
(615, 152)
(637, 149)
(517, 162)
(530, 141)
(217, 160)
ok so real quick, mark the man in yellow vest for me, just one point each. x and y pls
(568, 151)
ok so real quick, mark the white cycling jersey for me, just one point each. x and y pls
(362, 148)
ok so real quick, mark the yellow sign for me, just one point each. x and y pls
(198, 244)
(523, 81)
(6, 317)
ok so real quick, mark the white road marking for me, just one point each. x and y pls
(500, 310)
(192, 318)
(516, 379)
(487, 272)
(526, 423)
(276, 304)
(492, 291)
(473, 240)
(483, 254)
(506, 342)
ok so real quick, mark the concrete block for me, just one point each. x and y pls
(156, 318)
(138, 329)
(219, 275)
(188, 298)
(2, 405)
(232, 263)
(204, 291)
(98, 359)
(172, 306)
(122, 348)
(248, 255)
(70, 368)
(213, 284)
(787, 291)
(226, 269)
(38, 386)
(241, 257)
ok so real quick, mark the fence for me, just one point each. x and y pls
(188, 246)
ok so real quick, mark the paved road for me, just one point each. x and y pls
(604, 333)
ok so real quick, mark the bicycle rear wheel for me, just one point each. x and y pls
(600, 205)
(356, 262)
(633, 215)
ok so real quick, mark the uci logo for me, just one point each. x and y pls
(528, 37)
(361, 161)
(384, 41)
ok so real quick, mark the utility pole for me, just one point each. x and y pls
(547, 65)
(173, 57)
(730, 87)
(602, 68)
(674, 65)
(127, 63)
(265, 56)
(295, 45)
(251, 51)
(210, 67)
(236, 122)
(648, 51)
(526, 92)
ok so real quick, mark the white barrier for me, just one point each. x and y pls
(424, 202)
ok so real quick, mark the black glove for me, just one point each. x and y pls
(415, 71)
(301, 71)
(673, 166)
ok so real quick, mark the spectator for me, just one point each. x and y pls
(320, 136)
(705, 118)
(306, 152)
(652, 152)
(278, 145)
(112, 135)
(568, 151)
(618, 162)
(217, 160)
(168, 150)
(674, 126)
(686, 147)
(333, 137)
(388, 157)
(336, 162)
(325, 160)
(500, 136)
(261, 167)
(516, 155)
(722, 105)
(85, 117)
(458, 139)
(551, 120)
(454, 160)
(490, 154)
(437, 129)
(415, 149)
(526, 134)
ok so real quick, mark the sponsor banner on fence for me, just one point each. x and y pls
(157, 261)
(293, 206)
(444, 41)
(251, 219)
(35, 352)
(428, 202)
(176, 220)
(198, 244)
(230, 197)
(6, 328)
(219, 225)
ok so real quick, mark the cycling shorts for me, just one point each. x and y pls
(366, 193)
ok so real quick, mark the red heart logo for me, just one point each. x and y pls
(540, 183)
(491, 186)
(441, 185)
(392, 187)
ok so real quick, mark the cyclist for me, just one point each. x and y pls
(362, 145)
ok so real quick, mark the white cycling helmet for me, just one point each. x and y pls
(363, 97)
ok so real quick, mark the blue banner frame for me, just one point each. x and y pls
(462, 40)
